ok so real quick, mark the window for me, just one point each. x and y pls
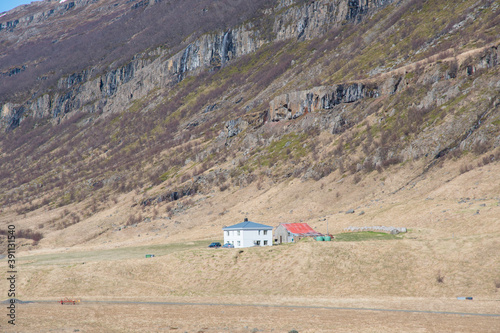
(239, 243)
(257, 242)
(227, 232)
(265, 242)
(238, 232)
(265, 232)
(258, 232)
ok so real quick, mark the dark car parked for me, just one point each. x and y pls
(215, 245)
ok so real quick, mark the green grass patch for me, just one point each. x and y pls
(290, 146)
(171, 172)
(452, 103)
(364, 236)
(137, 105)
(410, 75)
(138, 252)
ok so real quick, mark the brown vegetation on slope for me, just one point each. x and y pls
(424, 157)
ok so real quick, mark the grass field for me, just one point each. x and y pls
(450, 251)
(120, 253)
(341, 315)
(364, 235)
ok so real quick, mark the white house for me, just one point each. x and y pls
(246, 234)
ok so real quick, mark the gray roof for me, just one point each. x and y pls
(247, 225)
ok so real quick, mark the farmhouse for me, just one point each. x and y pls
(248, 234)
(292, 232)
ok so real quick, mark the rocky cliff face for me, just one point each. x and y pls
(316, 18)
(213, 51)
(40, 14)
(295, 104)
(361, 97)
(114, 90)
(335, 106)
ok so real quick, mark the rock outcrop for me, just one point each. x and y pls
(292, 105)
(315, 18)
(42, 11)
(234, 127)
(115, 89)
(295, 104)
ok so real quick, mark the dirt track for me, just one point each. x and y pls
(284, 306)
(132, 316)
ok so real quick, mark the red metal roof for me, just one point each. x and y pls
(300, 229)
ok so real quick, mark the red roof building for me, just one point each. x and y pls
(291, 232)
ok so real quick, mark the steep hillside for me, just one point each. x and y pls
(279, 111)
(82, 39)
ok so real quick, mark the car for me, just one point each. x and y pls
(228, 246)
(214, 245)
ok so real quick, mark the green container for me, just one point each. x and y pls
(320, 238)
(327, 238)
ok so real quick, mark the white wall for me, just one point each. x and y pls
(246, 238)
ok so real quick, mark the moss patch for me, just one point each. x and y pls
(363, 236)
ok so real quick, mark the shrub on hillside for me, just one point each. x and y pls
(132, 219)
(36, 236)
(465, 168)
(439, 277)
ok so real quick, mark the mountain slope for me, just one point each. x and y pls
(291, 111)
(48, 40)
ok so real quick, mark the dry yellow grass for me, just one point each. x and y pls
(404, 268)
(446, 236)
(103, 317)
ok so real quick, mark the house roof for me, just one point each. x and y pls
(248, 225)
(302, 229)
